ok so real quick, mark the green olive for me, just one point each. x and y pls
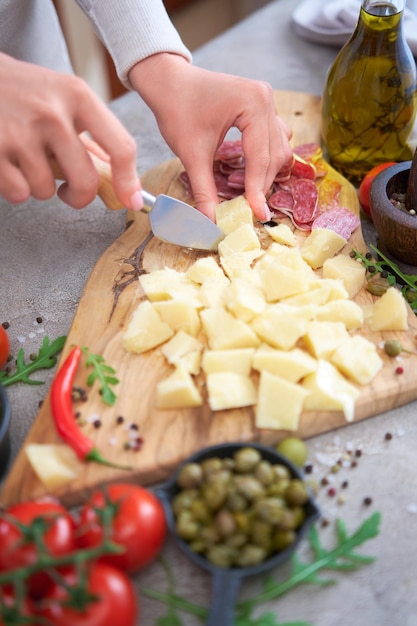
(296, 493)
(294, 449)
(191, 475)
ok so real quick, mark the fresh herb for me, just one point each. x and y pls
(104, 374)
(45, 359)
(393, 275)
(342, 558)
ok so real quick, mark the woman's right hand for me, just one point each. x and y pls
(44, 113)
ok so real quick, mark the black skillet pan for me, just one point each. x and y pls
(226, 581)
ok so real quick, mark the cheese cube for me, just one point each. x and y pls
(226, 332)
(330, 391)
(345, 311)
(282, 234)
(238, 264)
(213, 292)
(178, 390)
(280, 403)
(289, 364)
(204, 269)
(179, 315)
(239, 361)
(166, 284)
(322, 338)
(230, 390)
(285, 276)
(233, 213)
(389, 312)
(242, 239)
(245, 299)
(280, 326)
(145, 330)
(179, 345)
(348, 270)
(55, 465)
(191, 362)
(321, 244)
(358, 359)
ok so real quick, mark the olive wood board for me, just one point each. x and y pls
(111, 294)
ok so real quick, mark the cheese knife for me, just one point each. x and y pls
(171, 220)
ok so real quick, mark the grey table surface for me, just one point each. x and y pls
(47, 252)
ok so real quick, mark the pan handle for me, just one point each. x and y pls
(224, 592)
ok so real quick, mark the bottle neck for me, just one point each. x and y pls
(383, 7)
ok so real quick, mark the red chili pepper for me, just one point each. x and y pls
(62, 412)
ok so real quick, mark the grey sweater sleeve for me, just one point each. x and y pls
(30, 31)
(132, 30)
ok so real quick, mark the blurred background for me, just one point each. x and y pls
(197, 21)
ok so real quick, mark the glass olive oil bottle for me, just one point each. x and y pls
(370, 98)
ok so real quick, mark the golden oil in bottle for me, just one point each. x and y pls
(369, 101)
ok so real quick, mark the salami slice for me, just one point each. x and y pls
(302, 169)
(305, 194)
(229, 150)
(281, 199)
(329, 192)
(236, 179)
(309, 151)
(341, 220)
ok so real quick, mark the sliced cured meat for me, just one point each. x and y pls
(329, 193)
(309, 151)
(341, 220)
(305, 195)
(236, 179)
(302, 169)
(229, 150)
(281, 199)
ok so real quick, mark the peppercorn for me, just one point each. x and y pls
(39, 320)
(399, 370)
(367, 501)
(331, 492)
(97, 423)
(388, 436)
(120, 419)
(5, 325)
(344, 484)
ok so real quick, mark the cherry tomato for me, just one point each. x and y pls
(139, 525)
(4, 346)
(365, 186)
(114, 602)
(11, 609)
(17, 547)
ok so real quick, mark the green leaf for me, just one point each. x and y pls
(45, 359)
(340, 558)
(104, 374)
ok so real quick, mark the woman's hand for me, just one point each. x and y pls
(195, 108)
(43, 114)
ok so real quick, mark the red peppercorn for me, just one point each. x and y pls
(331, 492)
(399, 370)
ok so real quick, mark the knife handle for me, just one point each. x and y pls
(105, 186)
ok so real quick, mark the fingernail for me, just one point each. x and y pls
(268, 213)
(136, 201)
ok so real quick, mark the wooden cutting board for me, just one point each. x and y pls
(108, 300)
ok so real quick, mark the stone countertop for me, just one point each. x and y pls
(47, 252)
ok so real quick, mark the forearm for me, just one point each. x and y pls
(133, 30)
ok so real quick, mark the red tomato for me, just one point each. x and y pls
(114, 602)
(139, 525)
(10, 609)
(17, 547)
(365, 186)
(4, 346)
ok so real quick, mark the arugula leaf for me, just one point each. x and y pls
(343, 557)
(104, 374)
(45, 359)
